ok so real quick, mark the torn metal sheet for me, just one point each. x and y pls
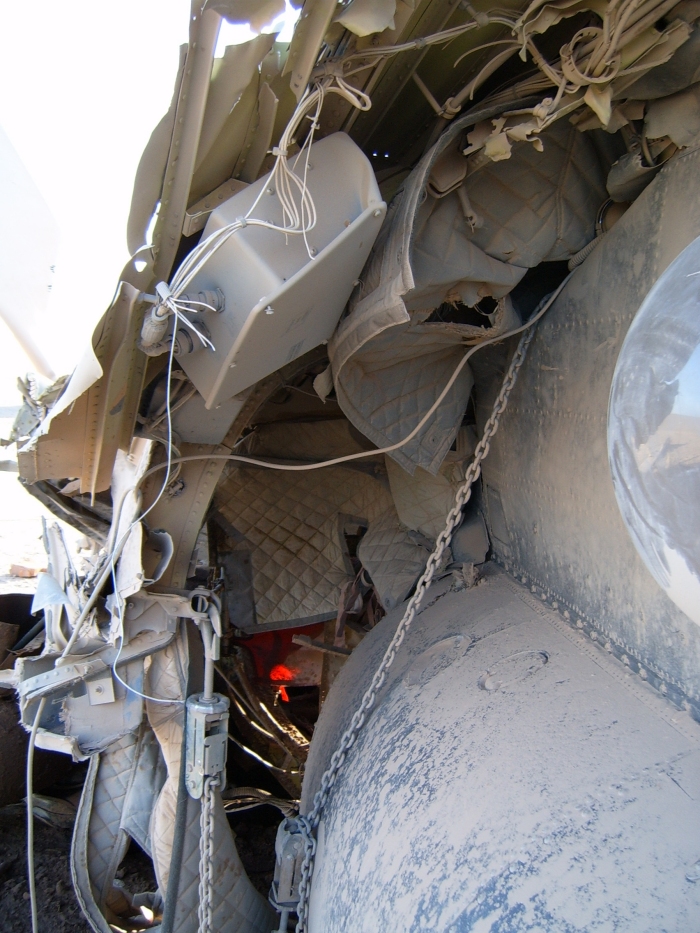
(257, 13)
(230, 76)
(224, 155)
(364, 17)
(682, 70)
(306, 43)
(96, 414)
(191, 490)
(148, 182)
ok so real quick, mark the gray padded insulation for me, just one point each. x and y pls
(535, 206)
(127, 794)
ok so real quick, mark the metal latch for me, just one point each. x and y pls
(206, 740)
(289, 855)
(206, 726)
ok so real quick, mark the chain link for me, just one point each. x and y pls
(308, 824)
(206, 856)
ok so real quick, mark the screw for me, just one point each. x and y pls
(377, 213)
(99, 690)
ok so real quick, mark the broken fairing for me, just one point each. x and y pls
(305, 407)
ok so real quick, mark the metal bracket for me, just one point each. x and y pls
(289, 854)
(206, 740)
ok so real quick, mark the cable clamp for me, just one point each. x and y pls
(163, 291)
(242, 221)
(276, 151)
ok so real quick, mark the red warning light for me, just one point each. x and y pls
(280, 672)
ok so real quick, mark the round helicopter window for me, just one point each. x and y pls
(654, 431)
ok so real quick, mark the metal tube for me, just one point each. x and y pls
(208, 639)
(204, 30)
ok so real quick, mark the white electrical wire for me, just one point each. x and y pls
(168, 463)
(299, 214)
(30, 815)
(382, 450)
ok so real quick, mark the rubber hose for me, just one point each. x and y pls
(584, 253)
(28, 636)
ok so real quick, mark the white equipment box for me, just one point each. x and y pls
(279, 302)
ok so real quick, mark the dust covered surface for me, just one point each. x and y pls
(513, 776)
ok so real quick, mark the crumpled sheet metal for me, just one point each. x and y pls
(364, 17)
(150, 172)
(231, 76)
(293, 523)
(535, 206)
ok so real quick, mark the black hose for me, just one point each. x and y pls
(28, 636)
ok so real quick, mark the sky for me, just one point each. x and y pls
(82, 85)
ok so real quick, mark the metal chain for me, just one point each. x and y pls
(206, 856)
(307, 825)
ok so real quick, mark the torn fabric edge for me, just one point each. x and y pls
(388, 277)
